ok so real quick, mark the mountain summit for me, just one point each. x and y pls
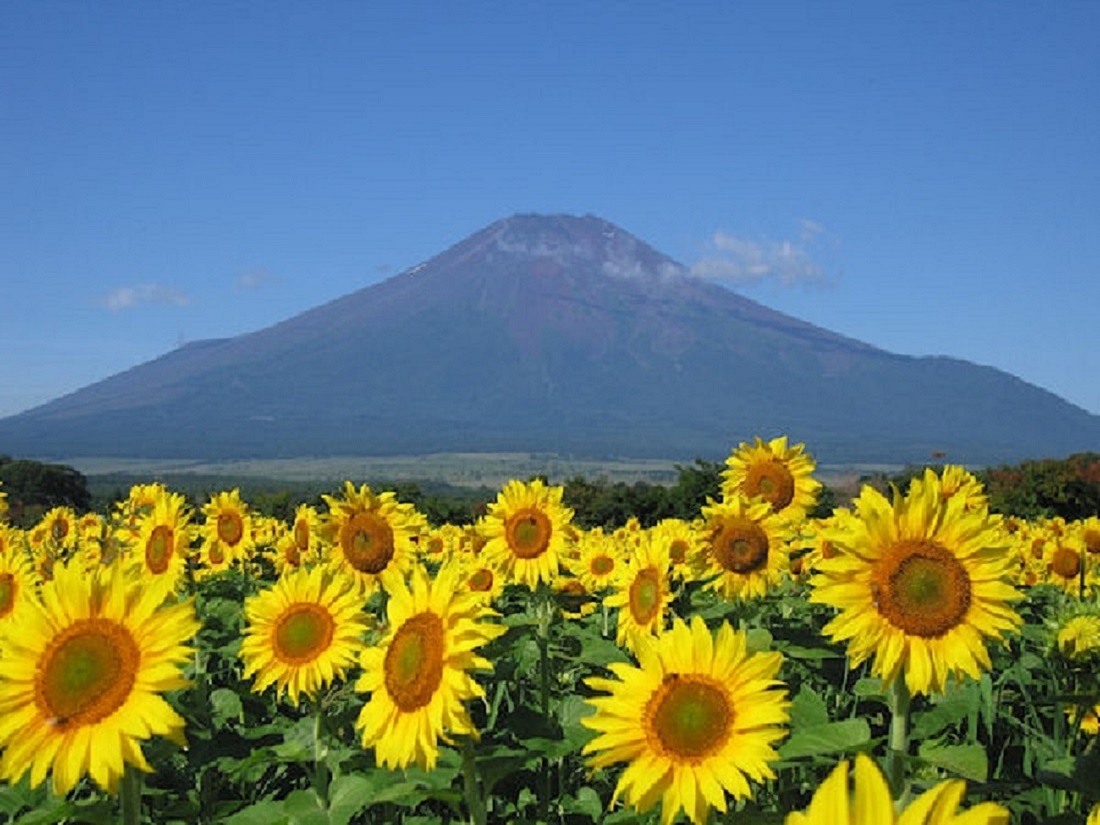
(551, 334)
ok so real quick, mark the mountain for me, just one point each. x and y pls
(553, 334)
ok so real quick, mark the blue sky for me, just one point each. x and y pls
(921, 176)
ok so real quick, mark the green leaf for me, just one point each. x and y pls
(348, 795)
(304, 808)
(225, 705)
(967, 761)
(758, 639)
(832, 737)
(586, 803)
(808, 709)
(267, 812)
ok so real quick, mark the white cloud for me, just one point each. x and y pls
(746, 261)
(256, 279)
(129, 297)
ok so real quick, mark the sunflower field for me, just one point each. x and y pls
(912, 657)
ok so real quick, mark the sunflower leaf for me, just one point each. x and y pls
(831, 737)
(967, 761)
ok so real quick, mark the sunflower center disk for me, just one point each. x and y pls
(230, 528)
(528, 533)
(921, 588)
(481, 581)
(414, 662)
(7, 594)
(301, 535)
(602, 565)
(677, 551)
(1092, 540)
(1066, 562)
(772, 481)
(741, 546)
(303, 633)
(689, 717)
(367, 542)
(645, 596)
(86, 673)
(158, 550)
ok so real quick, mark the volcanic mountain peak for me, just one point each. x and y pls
(566, 242)
(554, 334)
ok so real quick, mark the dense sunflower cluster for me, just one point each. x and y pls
(98, 623)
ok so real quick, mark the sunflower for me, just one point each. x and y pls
(1094, 815)
(745, 549)
(642, 593)
(1068, 566)
(599, 559)
(781, 475)
(81, 683)
(958, 481)
(695, 719)
(372, 534)
(302, 632)
(164, 536)
(226, 533)
(1090, 719)
(13, 541)
(60, 532)
(479, 576)
(918, 584)
(526, 530)
(685, 545)
(870, 803)
(17, 589)
(418, 675)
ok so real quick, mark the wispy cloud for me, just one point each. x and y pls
(742, 261)
(256, 279)
(129, 297)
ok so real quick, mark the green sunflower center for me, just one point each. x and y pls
(689, 717)
(741, 546)
(413, 666)
(528, 532)
(86, 672)
(7, 594)
(771, 480)
(921, 588)
(367, 542)
(158, 549)
(645, 596)
(303, 633)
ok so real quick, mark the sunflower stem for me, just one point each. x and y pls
(129, 796)
(898, 751)
(471, 785)
(320, 766)
(545, 608)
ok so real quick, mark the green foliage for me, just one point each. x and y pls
(606, 504)
(33, 487)
(1068, 487)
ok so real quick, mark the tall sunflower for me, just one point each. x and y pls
(17, 590)
(745, 552)
(695, 720)
(81, 683)
(527, 529)
(226, 533)
(372, 534)
(303, 631)
(919, 583)
(163, 545)
(779, 474)
(870, 803)
(642, 593)
(418, 676)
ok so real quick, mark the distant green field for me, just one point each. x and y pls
(457, 469)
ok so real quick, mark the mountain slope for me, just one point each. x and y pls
(549, 334)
